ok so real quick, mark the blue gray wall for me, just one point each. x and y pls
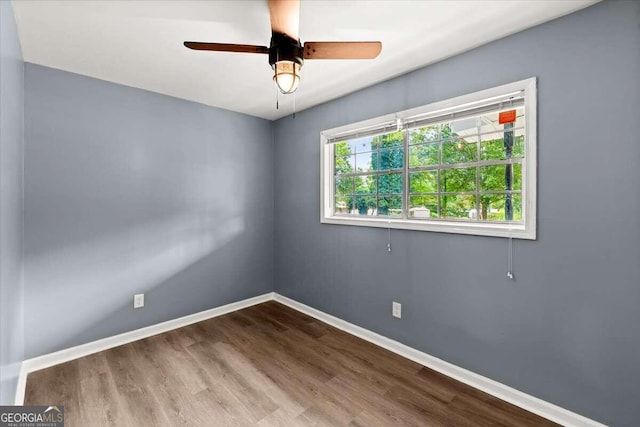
(128, 191)
(567, 329)
(11, 152)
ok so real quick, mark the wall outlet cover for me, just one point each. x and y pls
(138, 300)
(396, 310)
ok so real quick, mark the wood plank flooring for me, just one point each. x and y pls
(267, 365)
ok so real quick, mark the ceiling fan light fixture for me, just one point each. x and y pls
(286, 75)
(286, 52)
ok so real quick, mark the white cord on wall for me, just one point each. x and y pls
(389, 233)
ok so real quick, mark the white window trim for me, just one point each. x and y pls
(526, 230)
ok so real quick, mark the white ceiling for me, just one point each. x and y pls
(139, 43)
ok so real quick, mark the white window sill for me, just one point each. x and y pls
(517, 231)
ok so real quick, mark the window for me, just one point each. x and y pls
(465, 165)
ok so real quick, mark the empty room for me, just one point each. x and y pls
(319, 213)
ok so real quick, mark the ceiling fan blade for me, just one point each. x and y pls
(285, 17)
(342, 50)
(227, 47)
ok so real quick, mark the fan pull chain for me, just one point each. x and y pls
(277, 100)
(510, 259)
(294, 105)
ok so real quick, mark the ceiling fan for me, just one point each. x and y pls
(286, 53)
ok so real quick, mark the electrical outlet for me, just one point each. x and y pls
(138, 300)
(396, 310)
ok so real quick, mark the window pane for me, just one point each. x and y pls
(423, 207)
(424, 155)
(517, 207)
(459, 150)
(458, 180)
(390, 183)
(460, 128)
(424, 134)
(343, 204)
(517, 176)
(343, 148)
(366, 184)
(389, 159)
(458, 206)
(365, 205)
(492, 207)
(366, 162)
(520, 121)
(389, 140)
(518, 144)
(344, 185)
(344, 165)
(363, 144)
(493, 178)
(423, 182)
(492, 146)
(446, 132)
(390, 206)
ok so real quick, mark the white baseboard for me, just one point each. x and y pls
(68, 354)
(494, 388)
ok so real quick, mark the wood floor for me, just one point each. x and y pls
(267, 365)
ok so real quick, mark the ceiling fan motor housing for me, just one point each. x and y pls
(284, 48)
